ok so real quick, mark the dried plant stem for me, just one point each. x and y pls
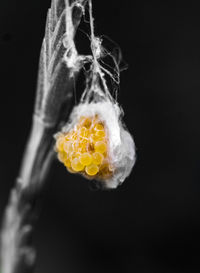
(54, 92)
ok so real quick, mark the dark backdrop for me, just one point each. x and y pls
(151, 223)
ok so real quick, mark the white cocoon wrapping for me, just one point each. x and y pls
(121, 147)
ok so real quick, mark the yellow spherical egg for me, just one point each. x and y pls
(82, 146)
(86, 122)
(97, 158)
(94, 138)
(60, 144)
(67, 162)
(68, 147)
(99, 127)
(62, 156)
(92, 169)
(75, 146)
(100, 147)
(73, 155)
(83, 132)
(76, 165)
(85, 159)
(104, 170)
(95, 120)
(70, 170)
(67, 137)
(81, 119)
(100, 134)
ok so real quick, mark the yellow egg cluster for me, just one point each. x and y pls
(85, 149)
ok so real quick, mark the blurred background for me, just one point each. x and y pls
(150, 223)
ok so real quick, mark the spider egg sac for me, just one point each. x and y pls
(95, 143)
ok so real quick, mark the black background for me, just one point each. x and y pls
(151, 223)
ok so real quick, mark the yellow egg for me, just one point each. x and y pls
(104, 170)
(81, 119)
(97, 158)
(83, 132)
(73, 155)
(92, 169)
(67, 137)
(100, 147)
(100, 134)
(99, 127)
(82, 146)
(94, 138)
(62, 156)
(86, 122)
(74, 135)
(95, 120)
(67, 162)
(75, 146)
(76, 165)
(60, 144)
(68, 147)
(85, 159)
(70, 170)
